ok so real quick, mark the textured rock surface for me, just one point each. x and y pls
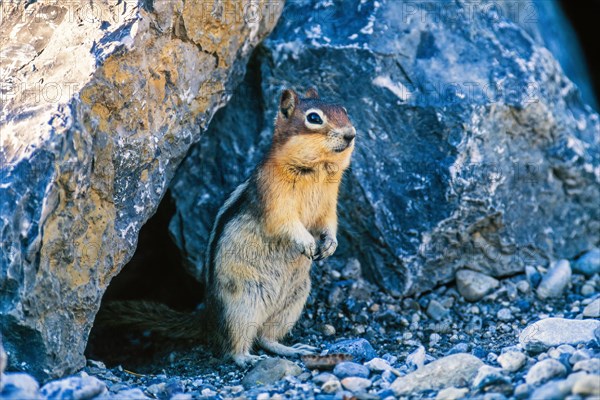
(473, 147)
(97, 113)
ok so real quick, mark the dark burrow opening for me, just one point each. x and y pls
(154, 273)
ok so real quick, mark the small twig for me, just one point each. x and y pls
(133, 373)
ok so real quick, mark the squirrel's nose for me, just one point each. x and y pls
(349, 136)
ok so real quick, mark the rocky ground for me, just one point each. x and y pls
(530, 336)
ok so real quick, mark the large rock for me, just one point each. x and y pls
(101, 100)
(473, 147)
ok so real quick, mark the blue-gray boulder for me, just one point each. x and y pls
(474, 148)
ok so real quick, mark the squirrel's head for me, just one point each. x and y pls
(320, 128)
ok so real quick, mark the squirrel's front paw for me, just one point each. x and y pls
(326, 247)
(307, 245)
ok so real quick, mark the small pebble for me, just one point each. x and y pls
(523, 286)
(592, 366)
(579, 355)
(504, 315)
(523, 391)
(355, 384)
(331, 386)
(592, 310)
(555, 281)
(181, 396)
(348, 368)
(587, 385)
(324, 377)
(378, 365)
(458, 348)
(452, 393)
(544, 371)
(328, 330)
(588, 289)
(416, 359)
(352, 269)
(589, 263)
(436, 310)
(473, 286)
(434, 339)
(566, 349)
(360, 349)
(512, 361)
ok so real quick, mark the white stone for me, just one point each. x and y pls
(512, 361)
(592, 366)
(552, 332)
(454, 370)
(331, 386)
(545, 370)
(592, 310)
(473, 286)
(452, 393)
(555, 281)
(587, 385)
(416, 359)
(355, 384)
(378, 365)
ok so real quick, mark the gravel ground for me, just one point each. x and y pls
(534, 335)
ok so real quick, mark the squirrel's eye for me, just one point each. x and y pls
(314, 118)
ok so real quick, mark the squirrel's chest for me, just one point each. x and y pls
(314, 200)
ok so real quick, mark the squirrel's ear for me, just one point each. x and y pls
(288, 102)
(312, 93)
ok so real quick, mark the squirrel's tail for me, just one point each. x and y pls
(154, 317)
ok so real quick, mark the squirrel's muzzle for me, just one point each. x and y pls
(343, 137)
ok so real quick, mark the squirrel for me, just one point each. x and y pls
(264, 239)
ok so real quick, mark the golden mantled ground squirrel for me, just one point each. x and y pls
(264, 239)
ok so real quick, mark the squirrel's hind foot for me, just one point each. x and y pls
(296, 350)
(248, 360)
